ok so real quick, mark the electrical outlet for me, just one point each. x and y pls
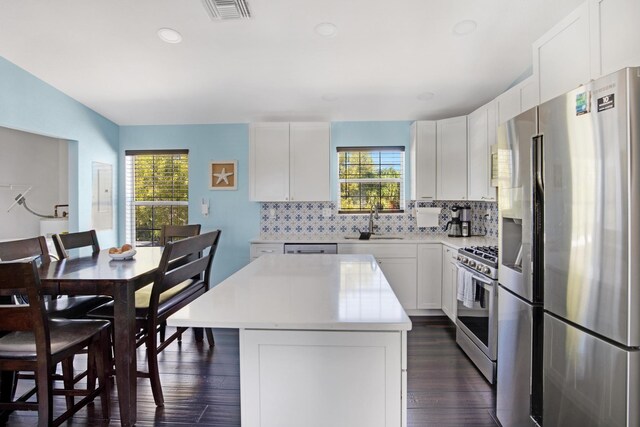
(326, 212)
(272, 213)
(488, 213)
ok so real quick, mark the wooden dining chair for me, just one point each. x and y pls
(35, 343)
(36, 247)
(67, 241)
(171, 233)
(182, 276)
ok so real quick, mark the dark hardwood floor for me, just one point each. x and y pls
(202, 386)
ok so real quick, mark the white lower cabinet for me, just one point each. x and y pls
(398, 264)
(449, 282)
(429, 276)
(322, 378)
(401, 275)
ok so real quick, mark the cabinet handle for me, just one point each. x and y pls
(266, 251)
(427, 197)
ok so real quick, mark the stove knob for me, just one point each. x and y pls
(472, 263)
(465, 260)
(459, 258)
(486, 270)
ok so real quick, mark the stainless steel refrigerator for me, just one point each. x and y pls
(519, 366)
(584, 162)
(591, 146)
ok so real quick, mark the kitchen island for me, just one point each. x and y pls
(322, 340)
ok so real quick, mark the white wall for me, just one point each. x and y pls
(34, 160)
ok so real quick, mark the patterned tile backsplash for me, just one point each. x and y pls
(305, 219)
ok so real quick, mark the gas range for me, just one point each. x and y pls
(483, 259)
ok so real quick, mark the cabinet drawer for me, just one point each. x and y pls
(393, 250)
(259, 249)
(449, 254)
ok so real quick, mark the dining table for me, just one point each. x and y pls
(100, 274)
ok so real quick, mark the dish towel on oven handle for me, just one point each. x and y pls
(466, 290)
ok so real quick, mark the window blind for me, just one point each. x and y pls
(157, 193)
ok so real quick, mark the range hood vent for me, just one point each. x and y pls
(220, 10)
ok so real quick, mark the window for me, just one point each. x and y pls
(157, 193)
(371, 176)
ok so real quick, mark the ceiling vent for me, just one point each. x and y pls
(227, 9)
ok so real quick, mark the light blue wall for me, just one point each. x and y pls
(230, 211)
(354, 134)
(31, 105)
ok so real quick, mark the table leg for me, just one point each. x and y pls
(125, 354)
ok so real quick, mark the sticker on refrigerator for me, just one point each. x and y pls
(582, 104)
(606, 102)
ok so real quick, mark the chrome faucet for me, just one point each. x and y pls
(373, 214)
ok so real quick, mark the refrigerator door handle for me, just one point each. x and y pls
(538, 151)
(537, 262)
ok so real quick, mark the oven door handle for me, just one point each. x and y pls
(486, 283)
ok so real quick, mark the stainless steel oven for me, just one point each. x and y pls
(477, 312)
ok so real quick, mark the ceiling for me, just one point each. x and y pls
(274, 66)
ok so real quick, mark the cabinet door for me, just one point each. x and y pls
(614, 26)
(447, 298)
(479, 155)
(269, 162)
(401, 275)
(423, 160)
(452, 158)
(562, 57)
(309, 167)
(429, 276)
(449, 282)
(509, 105)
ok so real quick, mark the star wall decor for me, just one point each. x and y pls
(222, 175)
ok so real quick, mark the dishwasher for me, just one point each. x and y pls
(310, 248)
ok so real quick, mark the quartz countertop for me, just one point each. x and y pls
(300, 292)
(453, 242)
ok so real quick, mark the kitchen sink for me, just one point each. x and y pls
(376, 237)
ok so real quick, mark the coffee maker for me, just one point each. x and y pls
(455, 223)
(465, 220)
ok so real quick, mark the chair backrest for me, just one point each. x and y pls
(21, 277)
(170, 233)
(25, 248)
(64, 242)
(183, 260)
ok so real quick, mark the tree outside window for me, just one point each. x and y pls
(370, 176)
(157, 188)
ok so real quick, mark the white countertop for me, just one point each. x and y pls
(453, 242)
(301, 292)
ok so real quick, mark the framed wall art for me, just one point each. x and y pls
(223, 175)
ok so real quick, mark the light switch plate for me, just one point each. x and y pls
(326, 212)
(272, 213)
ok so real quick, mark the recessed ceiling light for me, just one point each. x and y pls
(330, 97)
(169, 35)
(465, 27)
(425, 96)
(326, 29)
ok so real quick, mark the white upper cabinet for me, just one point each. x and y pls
(309, 161)
(452, 158)
(517, 99)
(481, 134)
(615, 33)
(289, 162)
(562, 58)
(269, 162)
(422, 154)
